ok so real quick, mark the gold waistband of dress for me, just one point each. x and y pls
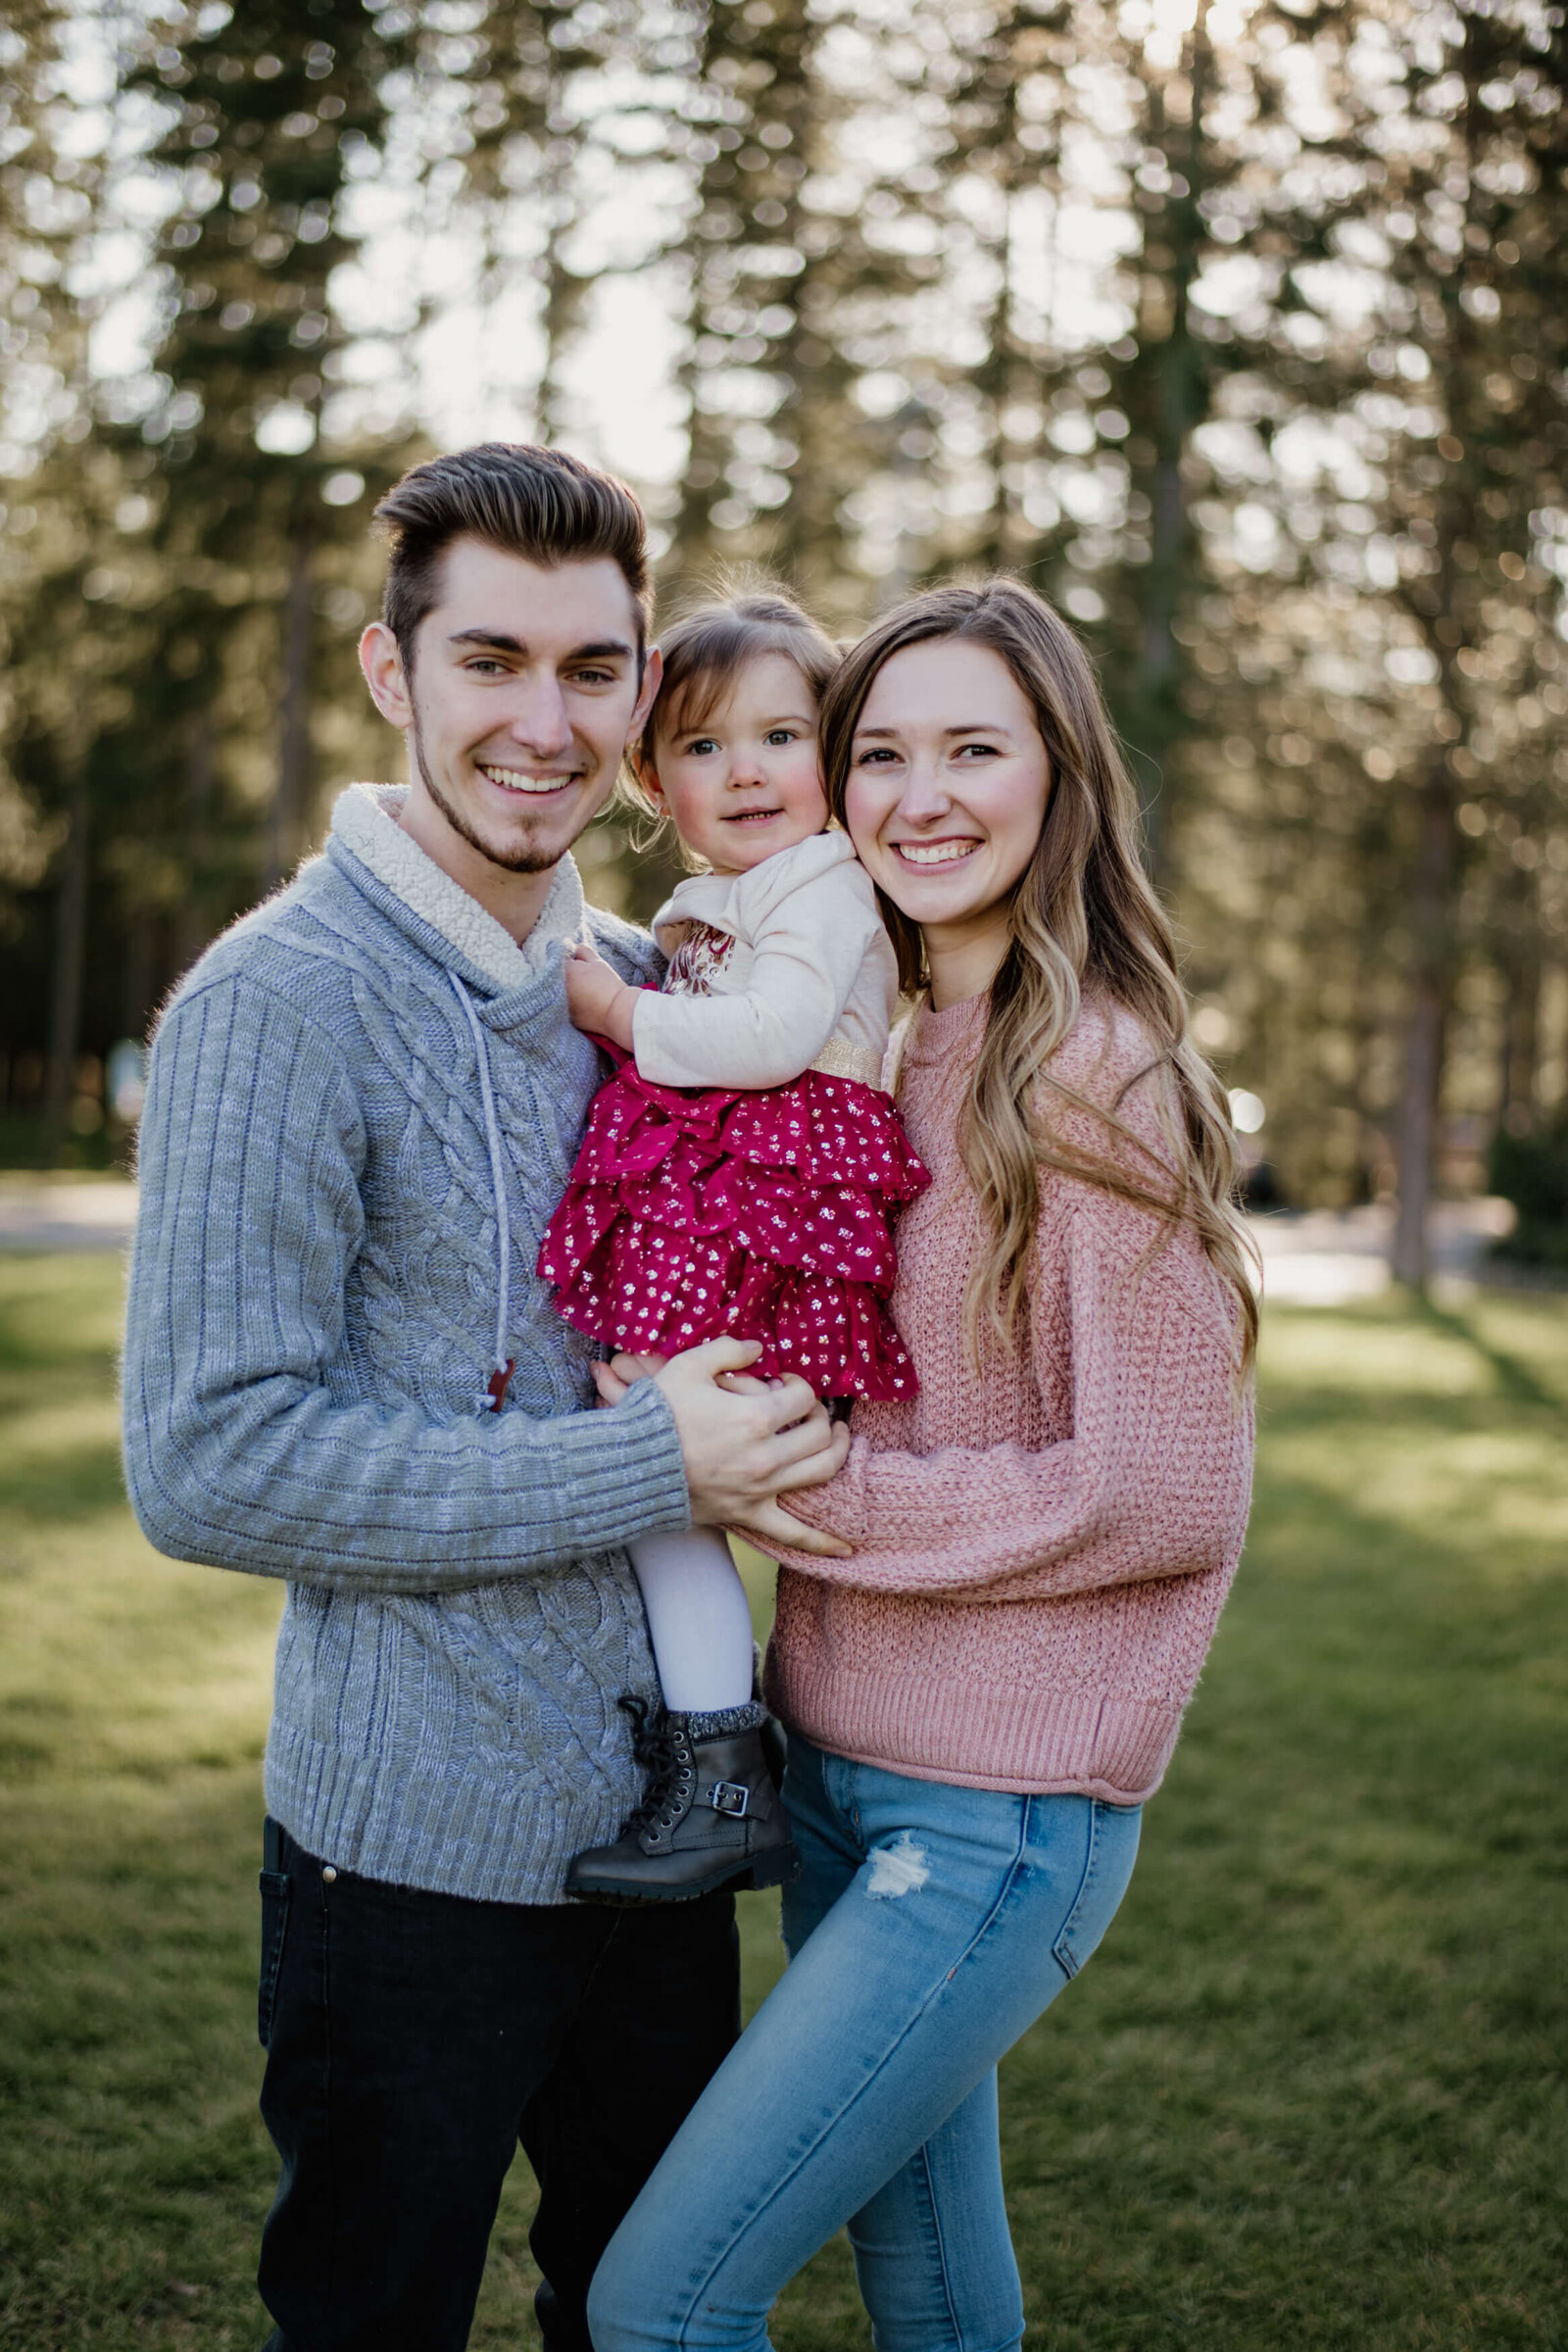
(840, 1059)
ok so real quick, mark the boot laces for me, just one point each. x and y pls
(653, 1745)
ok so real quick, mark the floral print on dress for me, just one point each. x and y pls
(693, 1212)
(697, 960)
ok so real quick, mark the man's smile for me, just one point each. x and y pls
(513, 779)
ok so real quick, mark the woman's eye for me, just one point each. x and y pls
(987, 751)
(874, 755)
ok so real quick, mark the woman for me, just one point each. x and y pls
(981, 1697)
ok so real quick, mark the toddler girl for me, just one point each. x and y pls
(736, 1177)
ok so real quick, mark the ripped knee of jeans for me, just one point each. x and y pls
(898, 1868)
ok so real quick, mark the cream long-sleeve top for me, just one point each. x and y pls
(1041, 1547)
(772, 972)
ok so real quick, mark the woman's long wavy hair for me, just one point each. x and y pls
(1084, 914)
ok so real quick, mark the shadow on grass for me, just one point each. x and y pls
(1515, 1380)
(62, 1484)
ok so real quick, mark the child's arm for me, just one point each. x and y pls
(808, 951)
(598, 999)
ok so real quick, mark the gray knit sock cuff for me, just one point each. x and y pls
(724, 1722)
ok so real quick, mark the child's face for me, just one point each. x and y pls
(749, 782)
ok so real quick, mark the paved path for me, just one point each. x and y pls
(1313, 1257)
(90, 1212)
(1323, 1258)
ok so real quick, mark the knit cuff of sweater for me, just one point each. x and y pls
(837, 1508)
(636, 1484)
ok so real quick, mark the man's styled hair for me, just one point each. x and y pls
(537, 503)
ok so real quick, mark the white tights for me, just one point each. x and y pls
(699, 1617)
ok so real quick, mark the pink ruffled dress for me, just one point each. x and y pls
(741, 1166)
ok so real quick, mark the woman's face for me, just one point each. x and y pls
(948, 787)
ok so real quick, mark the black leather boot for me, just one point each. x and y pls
(711, 1818)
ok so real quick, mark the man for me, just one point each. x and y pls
(341, 1370)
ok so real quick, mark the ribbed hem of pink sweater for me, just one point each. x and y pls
(1046, 1744)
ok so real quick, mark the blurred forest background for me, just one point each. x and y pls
(1238, 329)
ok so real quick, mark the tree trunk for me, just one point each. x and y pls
(71, 941)
(1518, 1061)
(564, 298)
(1175, 401)
(1434, 911)
(192, 928)
(294, 732)
(1432, 987)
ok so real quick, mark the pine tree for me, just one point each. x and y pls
(271, 114)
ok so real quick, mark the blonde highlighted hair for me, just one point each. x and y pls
(1084, 914)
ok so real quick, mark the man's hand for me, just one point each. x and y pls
(598, 999)
(745, 1441)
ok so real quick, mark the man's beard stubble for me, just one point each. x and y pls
(510, 861)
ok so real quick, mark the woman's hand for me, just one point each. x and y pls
(598, 999)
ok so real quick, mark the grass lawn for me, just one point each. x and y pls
(1308, 2095)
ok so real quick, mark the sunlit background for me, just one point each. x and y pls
(1238, 329)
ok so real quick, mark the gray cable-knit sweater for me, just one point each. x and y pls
(311, 1328)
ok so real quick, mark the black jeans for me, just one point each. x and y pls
(413, 2039)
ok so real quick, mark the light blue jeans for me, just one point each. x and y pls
(929, 1927)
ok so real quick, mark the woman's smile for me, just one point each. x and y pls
(925, 853)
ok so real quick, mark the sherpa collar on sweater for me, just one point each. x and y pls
(365, 820)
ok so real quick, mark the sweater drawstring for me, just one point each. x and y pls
(495, 1391)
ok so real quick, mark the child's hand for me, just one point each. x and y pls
(614, 1379)
(598, 999)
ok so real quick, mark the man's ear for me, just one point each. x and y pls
(383, 665)
(645, 776)
(653, 674)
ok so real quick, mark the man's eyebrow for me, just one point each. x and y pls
(497, 638)
(500, 642)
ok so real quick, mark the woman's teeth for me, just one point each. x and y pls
(934, 853)
(511, 780)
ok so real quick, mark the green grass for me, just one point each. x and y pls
(1309, 2094)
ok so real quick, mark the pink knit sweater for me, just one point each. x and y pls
(1041, 1551)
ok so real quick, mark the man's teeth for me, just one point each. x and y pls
(512, 781)
(935, 853)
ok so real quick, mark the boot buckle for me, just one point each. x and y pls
(729, 1796)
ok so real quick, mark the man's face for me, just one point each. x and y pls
(523, 692)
